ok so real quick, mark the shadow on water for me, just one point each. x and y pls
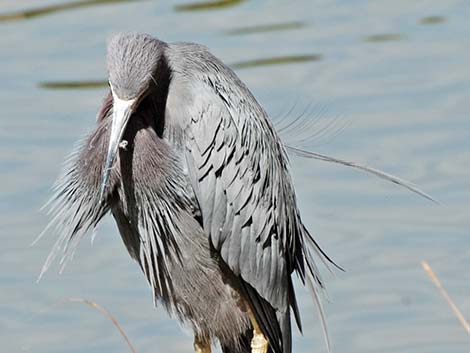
(432, 20)
(207, 5)
(385, 37)
(47, 10)
(90, 84)
(266, 28)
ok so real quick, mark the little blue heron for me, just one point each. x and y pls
(197, 180)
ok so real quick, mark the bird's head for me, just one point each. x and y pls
(132, 62)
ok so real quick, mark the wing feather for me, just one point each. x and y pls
(241, 182)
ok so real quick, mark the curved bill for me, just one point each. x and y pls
(122, 110)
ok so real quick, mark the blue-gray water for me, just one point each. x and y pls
(397, 75)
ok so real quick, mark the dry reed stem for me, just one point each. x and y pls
(446, 296)
(106, 314)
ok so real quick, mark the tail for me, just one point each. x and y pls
(274, 324)
(243, 345)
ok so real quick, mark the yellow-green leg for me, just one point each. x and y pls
(201, 345)
(259, 343)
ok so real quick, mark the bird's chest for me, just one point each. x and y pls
(151, 200)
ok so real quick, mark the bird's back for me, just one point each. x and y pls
(238, 169)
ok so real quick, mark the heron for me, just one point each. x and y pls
(197, 180)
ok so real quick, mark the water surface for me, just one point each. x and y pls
(393, 78)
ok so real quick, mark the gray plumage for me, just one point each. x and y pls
(201, 193)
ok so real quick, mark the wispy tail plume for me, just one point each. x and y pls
(382, 175)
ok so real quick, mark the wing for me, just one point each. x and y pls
(238, 169)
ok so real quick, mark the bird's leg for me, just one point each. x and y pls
(259, 343)
(201, 345)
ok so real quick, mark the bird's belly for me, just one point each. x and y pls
(204, 295)
(194, 285)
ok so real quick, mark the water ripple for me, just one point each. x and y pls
(47, 10)
(280, 60)
(384, 37)
(289, 59)
(266, 28)
(432, 20)
(207, 5)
